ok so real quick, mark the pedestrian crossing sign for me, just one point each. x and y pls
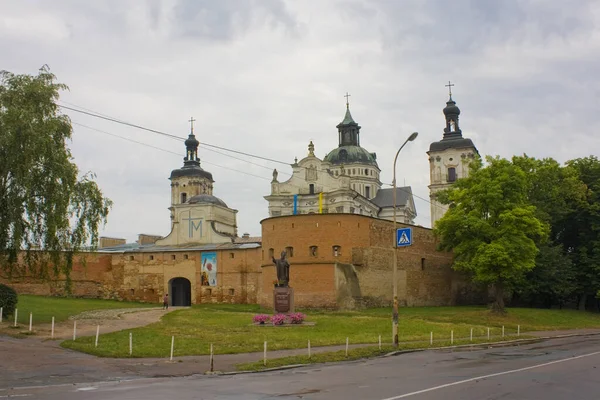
(403, 237)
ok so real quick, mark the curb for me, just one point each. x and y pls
(400, 352)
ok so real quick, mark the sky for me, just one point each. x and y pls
(267, 76)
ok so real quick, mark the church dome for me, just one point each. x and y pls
(193, 170)
(451, 108)
(350, 155)
(206, 199)
(191, 141)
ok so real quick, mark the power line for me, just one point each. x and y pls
(95, 114)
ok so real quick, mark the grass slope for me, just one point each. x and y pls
(61, 308)
(229, 328)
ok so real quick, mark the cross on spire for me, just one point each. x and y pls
(449, 86)
(191, 121)
(347, 102)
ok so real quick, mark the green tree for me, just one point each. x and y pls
(490, 226)
(582, 229)
(44, 202)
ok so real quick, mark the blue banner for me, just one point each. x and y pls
(295, 204)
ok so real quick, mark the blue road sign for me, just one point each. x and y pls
(404, 237)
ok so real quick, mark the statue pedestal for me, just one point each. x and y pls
(283, 300)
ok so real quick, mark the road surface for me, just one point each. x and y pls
(565, 368)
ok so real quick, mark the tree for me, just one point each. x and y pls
(490, 226)
(44, 203)
(582, 230)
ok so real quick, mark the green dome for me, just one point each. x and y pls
(351, 155)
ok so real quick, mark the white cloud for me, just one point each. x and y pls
(265, 77)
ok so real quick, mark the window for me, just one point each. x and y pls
(339, 209)
(271, 253)
(231, 255)
(311, 188)
(368, 192)
(183, 197)
(292, 224)
(353, 171)
(151, 258)
(351, 210)
(289, 252)
(185, 256)
(173, 257)
(337, 251)
(422, 264)
(366, 171)
(131, 258)
(451, 174)
(313, 251)
(132, 291)
(208, 291)
(231, 292)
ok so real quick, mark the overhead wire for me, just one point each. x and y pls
(96, 114)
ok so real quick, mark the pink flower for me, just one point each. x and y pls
(261, 318)
(278, 319)
(296, 318)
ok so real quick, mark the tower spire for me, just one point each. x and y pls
(191, 121)
(449, 86)
(347, 102)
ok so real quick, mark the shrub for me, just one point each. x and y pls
(278, 319)
(257, 319)
(8, 299)
(296, 318)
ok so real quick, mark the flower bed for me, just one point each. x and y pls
(279, 319)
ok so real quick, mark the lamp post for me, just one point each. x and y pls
(412, 137)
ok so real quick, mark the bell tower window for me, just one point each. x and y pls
(183, 198)
(451, 174)
(311, 188)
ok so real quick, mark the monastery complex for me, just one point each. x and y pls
(332, 217)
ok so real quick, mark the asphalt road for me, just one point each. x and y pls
(567, 368)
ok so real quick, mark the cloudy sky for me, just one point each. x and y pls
(267, 76)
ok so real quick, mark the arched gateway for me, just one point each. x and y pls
(180, 292)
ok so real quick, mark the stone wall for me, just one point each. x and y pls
(361, 272)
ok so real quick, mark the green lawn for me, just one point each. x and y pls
(61, 308)
(229, 329)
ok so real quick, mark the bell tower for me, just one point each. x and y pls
(449, 158)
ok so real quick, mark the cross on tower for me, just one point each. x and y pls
(346, 96)
(449, 86)
(191, 121)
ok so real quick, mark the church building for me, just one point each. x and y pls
(449, 158)
(347, 180)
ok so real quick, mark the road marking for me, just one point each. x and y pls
(87, 388)
(402, 396)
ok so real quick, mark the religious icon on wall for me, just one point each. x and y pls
(208, 274)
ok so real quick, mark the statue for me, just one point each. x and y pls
(275, 174)
(283, 270)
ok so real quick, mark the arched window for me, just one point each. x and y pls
(451, 174)
(366, 171)
(313, 251)
(271, 253)
(311, 188)
(183, 197)
(337, 251)
(289, 252)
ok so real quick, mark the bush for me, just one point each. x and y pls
(260, 318)
(296, 318)
(8, 300)
(278, 319)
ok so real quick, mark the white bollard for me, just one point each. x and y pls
(97, 334)
(212, 359)
(346, 347)
(74, 330)
(518, 330)
(488, 333)
(16, 313)
(52, 331)
(471, 334)
(1, 310)
(309, 349)
(265, 353)
(502, 330)
(451, 337)
(130, 343)
(379, 342)
(172, 345)
(431, 338)
(30, 321)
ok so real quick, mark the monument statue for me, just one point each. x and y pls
(283, 270)
(275, 173)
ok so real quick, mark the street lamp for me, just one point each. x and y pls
(412, 137)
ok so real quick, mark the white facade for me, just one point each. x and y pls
(449, 159)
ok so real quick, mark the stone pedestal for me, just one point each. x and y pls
(283, 300)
